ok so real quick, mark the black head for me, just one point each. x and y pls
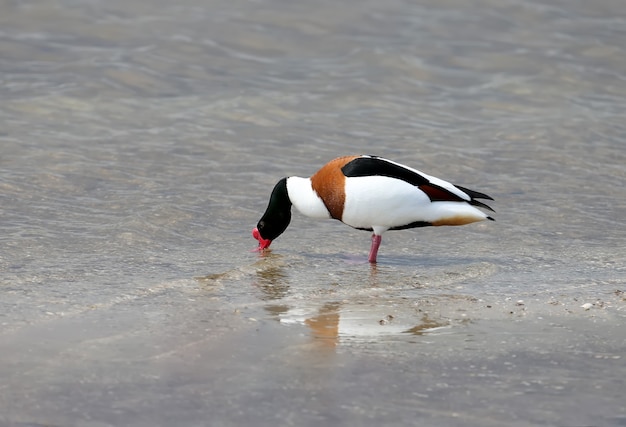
(277, 216)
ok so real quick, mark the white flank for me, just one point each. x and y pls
(382, 203)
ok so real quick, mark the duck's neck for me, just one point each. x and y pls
(280, 204)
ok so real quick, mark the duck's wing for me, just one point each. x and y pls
(435, 188)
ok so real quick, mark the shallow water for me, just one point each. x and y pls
(139, 142)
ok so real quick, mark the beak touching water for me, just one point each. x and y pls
(263, 243)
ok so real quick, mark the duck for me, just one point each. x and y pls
(370, 193)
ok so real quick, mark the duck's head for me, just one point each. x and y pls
(276, 218)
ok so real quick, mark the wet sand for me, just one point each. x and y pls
(179, 354)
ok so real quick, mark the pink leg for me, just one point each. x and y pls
(376, 239)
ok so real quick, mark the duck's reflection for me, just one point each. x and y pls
(325, 325)
(332, 322)
(427, 325)
(272, 281)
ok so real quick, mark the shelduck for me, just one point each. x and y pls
(370, 193)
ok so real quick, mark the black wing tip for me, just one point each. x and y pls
(490, 218)
(481, 204)
(474, 194)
